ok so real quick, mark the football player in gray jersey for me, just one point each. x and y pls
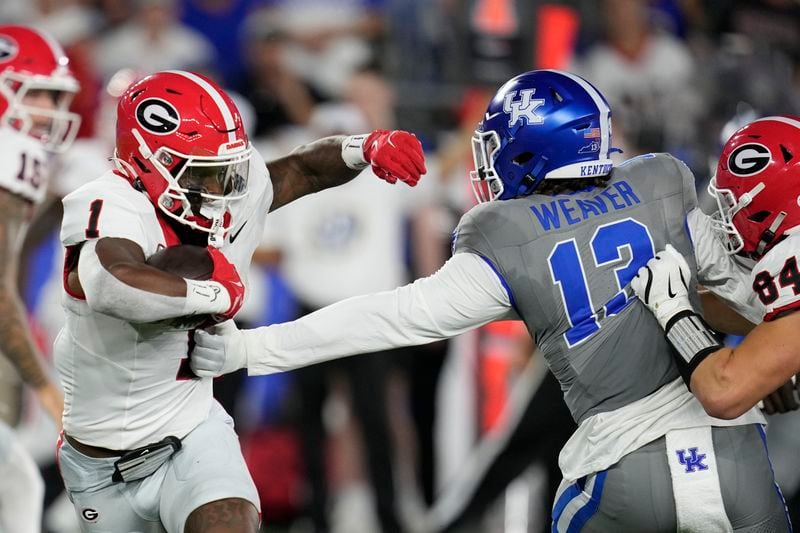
(555, 242)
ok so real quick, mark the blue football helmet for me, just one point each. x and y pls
(541, 125)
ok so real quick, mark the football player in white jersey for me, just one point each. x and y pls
(145, 447)
(36, 88)
(758, 197)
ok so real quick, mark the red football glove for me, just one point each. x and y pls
(395, 155)
(226, 275)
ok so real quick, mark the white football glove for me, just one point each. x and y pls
(219, 350)
(663, 285)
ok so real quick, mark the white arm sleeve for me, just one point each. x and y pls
(464, 294)
(719, 272)
(108, 295)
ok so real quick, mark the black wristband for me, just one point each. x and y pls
(692, 341)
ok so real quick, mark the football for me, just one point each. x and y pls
(185, 260)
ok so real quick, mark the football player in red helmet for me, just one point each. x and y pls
(757, 187)
(187, 151)
(36, 88)
(138, 421)
(753, 185)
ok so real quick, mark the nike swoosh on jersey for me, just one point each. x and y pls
(236, 235)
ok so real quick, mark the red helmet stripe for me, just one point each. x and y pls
(227, 116)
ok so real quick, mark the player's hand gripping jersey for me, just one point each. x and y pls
(127, 384)
(567, 261)
(756, 218)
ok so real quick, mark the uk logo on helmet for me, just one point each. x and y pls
(524, 108)
(157, 116)
(749, 159)
(8, 49)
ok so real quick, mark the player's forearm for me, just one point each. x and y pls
(15, 341)
(363, 324)
(108, 295)
(308, 169)
(137, 292)
(714, 387)
(719, 386)
(732, 380)
(461, 296)
(721, 317)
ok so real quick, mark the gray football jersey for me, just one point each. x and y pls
(567, 260)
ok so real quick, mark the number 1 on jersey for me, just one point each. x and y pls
(94, 216)
(567, 271)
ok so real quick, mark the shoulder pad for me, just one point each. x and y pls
(105, 207)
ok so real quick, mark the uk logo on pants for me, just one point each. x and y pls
(693, 461)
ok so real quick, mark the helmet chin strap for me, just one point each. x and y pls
(124, 167)
(143, 148)
(769, 235)
(747, 198)
(217, 232)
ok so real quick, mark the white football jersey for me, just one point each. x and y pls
(125, 385)
(721, 273)
(24, 165)
(776, 278)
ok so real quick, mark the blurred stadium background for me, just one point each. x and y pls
(369, 444)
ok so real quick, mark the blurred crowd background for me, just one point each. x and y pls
(370, 443)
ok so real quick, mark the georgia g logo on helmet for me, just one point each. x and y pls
(749, 159)
(8, 49)
(157, 116)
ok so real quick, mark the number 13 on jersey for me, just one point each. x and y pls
(569, 273)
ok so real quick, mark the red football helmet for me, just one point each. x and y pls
(181, 138)
(31, 61)
(757, 185)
